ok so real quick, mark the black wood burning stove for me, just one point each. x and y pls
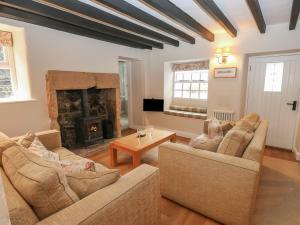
(88, 128)
(86, 117)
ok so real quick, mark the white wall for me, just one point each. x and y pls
(49, 49)
(223, 93)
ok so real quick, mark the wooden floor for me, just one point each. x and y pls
(172, 213)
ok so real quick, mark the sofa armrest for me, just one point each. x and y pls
(50, 138)
(219, 186)
(133, 199)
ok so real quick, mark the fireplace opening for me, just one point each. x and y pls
(81, 114)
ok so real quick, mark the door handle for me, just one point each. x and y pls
(294, 104)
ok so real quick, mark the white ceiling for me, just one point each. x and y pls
(237, 11)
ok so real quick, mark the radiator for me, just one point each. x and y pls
(223, 115)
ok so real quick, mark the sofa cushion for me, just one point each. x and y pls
(204, 143)
(235, 142)
(244, 125)
(42, 185)
(226, 126)
(87, 182)
(255, 149)
(20, 213)
(63, 152)
(5, 142)
(27, 139)
(253, 119)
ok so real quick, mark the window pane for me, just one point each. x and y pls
(2, 54)
(179, 76)
(186, 94)
(273, 78)
(187, 76)
(178, 86)
(204, 75)
(196, 76)
(191, 84)
(195, 86)
(5, 84)
(186, 86)
(204, 86)
(194, 94)
(178, 94)
(203, 94)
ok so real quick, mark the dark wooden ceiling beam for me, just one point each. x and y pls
(214, 11)
(69, 18)
(134, 12)
(257, 14)
(16, 14)
(98, 14)
(294, 14)
(168, 8)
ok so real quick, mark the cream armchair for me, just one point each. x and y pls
(219, 186)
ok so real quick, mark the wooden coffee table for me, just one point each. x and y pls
(136, 148)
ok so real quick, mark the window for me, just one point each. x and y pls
(191, 84)
(7, 73)
(273, 78)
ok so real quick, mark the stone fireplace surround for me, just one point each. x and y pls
(68, 80)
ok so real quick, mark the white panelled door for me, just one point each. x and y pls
(273, 91)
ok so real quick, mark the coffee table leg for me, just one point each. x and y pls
(136, 160)
(113, 157)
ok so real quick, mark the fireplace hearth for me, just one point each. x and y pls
(79, 103)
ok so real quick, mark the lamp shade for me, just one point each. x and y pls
(226, 51)
(218, 52)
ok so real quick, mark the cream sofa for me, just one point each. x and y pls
(132, 200)
(219, 186)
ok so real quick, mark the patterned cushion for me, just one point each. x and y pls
(188, 109)
(42, 185)
(194, 115)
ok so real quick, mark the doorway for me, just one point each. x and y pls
(273, 90)
(124, 80)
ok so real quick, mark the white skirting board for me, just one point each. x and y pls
(297, 154)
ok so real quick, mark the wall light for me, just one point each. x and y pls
(223, 55)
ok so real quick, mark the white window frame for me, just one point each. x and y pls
(190, 81)
(9, 63)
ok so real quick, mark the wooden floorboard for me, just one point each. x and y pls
(171, 212)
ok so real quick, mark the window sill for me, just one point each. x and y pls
(12, 101)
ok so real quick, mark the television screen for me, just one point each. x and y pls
(153, 105)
